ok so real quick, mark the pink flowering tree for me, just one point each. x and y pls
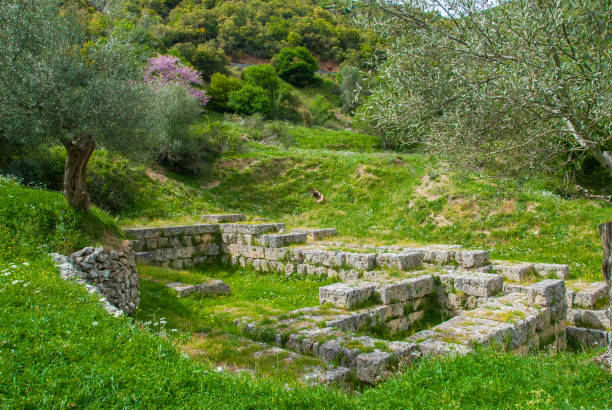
(168, 69)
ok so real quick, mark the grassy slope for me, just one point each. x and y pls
(59, 349)
(384, 197)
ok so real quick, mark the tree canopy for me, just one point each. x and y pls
(521, 85)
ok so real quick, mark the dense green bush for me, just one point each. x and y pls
(296, 66)
(221, 86)
(249, 100)
(322, 111)
(264, 76)
(206, 58)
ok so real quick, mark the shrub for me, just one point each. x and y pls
(221, 86)
(264, 76)
(322, 111)
(209, 60)
(351, 82)
(296, 66)
(249, 100)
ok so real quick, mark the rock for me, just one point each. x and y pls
(214, 288)
(346, 295)
(182, 290)
(224, 218)
(472, 259)
(372, 367)
(547, 269)
(360, 261)
(481, 284)
(254, 229)
(317, 234)
(516, 272)
(406, 289)
(281, 240)
(400, 261)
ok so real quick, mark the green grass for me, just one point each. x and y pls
(58, 348)
(387, 198)
(254, 295)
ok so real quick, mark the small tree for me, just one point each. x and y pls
(55, 87)
(519, 84)
(249, 100)
(164, 70)
(220, 88)
(296, 66)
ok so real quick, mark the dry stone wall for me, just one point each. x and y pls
(112, 273)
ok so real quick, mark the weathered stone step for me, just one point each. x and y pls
(587, 295)
(587, 338)
(317, 234)
(282, 240)
(224, 218)
(251, 229)
(210, 288)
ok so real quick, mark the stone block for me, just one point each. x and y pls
(547, 292)
(289, 269)
(405, 352)
(206, 228)
(213, 288)
(359, 261)
(587, 295)
(254, 229)
(593, 319)
(479, 284)
(472, 259)
(317, 234)
(182, 290)
(372, 367)
(281, 240)
(404, 290)
(277, 254)
(212, 249)
(335, 376)
(587, 338)
(151, 243)
(346, 295)
(548, 269)
(439, 256)
(400, 261)
(143, 257)
(516, 272)
(224, 218)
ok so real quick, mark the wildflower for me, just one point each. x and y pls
(95, 323)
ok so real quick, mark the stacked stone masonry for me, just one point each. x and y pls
(389, 290)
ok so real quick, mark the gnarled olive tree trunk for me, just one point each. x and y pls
(79, 151)
(605, 230)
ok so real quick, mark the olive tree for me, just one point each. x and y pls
(520, 84)
(57, 87)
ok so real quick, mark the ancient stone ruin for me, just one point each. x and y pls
(385, 292)
(111, 273)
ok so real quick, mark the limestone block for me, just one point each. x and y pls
(212, 249)
(335, 376)
(298, 255)
(224, 218)
(586, 295)
(403, 290)
(587, 338)
(302, 269)
(405, 352)
(346, 295)
(177, 264)
(162, 242)
(479, 284)
(360, 261)
(276, 254)
(472, 259)
(182, 290)
(289, 269)
(439, 256)
(516, 272)
(404, 323)
(151, 243)
(143, 257)
(325, 258)
(547, 269)
(206, 228)
(593, 319)
(346, 275)
(329, 350)
(281, 240)
(547, 292)
(255, 229)
(372, 367)
(213, 288)
(317, 234)
(316, 270)
(402, 261)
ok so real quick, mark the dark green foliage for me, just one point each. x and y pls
(351, 86)
(322, 111)
(296, 66)
(206, 58)
(249, 100)
(264, 76)
(221, 86)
